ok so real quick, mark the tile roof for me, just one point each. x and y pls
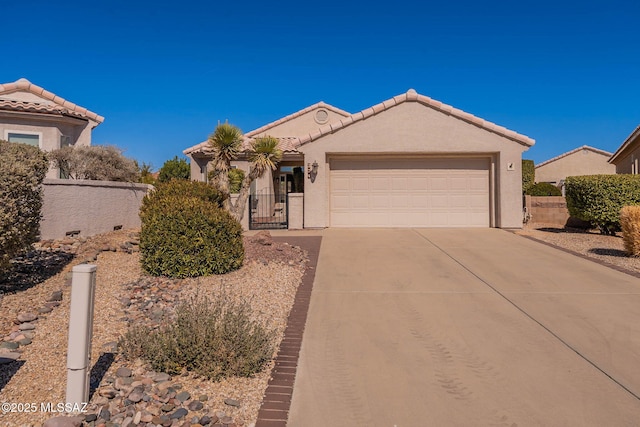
(631, 139)
(568, 153)
(297, 114)
(287, 144)
(60, 105)
(412, 96)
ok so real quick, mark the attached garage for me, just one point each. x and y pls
(410, 192)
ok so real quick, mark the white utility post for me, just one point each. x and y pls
(83, 285)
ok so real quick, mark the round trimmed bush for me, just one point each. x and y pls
(543, 189)
(188, 237)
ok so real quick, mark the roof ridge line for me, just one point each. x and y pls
(575, 150)
(24, 84)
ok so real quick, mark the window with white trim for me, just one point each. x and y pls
(24, 138)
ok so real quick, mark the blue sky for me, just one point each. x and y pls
(164, 73)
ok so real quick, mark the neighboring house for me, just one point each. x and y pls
(583, 160)
(625, 159)
(32, 115)
(409, 161)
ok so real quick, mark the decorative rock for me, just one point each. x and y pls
(123, 372)
(145, 417)
(8, 345)
(196, 405)
(24, 341)
(168, 407)
(56, 296)
(208, 420)
(45, 310)
(105, 414)
(8, 357)
(263, 238)
(90, 417)
(135, 397)
(161, 377)
(27, 327)
(26, 317)
(108, 392)
(180, 413)
(203, 398)
(232, 402)
(126, 422)
(183, 396)
(226, 420)
(63, 422)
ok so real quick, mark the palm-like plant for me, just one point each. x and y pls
(226, 144)
(264, 156)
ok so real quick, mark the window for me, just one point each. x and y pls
(24, 138)
(65, 141)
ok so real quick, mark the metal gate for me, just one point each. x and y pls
(268, 211)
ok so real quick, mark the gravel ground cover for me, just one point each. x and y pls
(124, 296)
(590, 243)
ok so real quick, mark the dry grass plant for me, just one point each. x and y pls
(630, 224)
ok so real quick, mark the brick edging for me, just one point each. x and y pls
(583, 256)
(276, 402)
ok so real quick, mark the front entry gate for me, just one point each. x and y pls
(268, 211)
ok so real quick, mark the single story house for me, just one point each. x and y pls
(30, 114)
(625, 159)
(410, 161)
(583, 160)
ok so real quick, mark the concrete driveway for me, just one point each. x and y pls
(465, 327)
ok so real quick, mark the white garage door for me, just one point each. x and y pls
(428, 192)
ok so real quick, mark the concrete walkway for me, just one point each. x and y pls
(465, 327)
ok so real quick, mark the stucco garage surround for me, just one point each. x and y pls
(414, 162)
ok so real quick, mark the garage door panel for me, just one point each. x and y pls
(409, 192)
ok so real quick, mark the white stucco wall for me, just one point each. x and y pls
(412, 128)
(92, 207)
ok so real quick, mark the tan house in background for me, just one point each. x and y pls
(409, 161)
(583, 160)
(625, 159)
(32, 115)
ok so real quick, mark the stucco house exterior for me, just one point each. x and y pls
(409, 161)
(32, 115)
(583, 160)
(625, 159)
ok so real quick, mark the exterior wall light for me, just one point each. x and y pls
(312, 170)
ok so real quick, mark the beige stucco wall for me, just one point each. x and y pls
(92, 207)
(415, 129)
(628, 163)
(583, 162)
(301, 125)
(296, 211)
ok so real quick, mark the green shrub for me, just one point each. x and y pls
(236, 176)
(184, 188)
(630, 224)
(599, 198)
(174, 169)
(188, 237)
(543, 189)
(23, 170)
(528, 174)
(214, 339)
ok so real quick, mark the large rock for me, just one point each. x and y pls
(63, 422)
(262, 238)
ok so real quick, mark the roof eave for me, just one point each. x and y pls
(631, 139)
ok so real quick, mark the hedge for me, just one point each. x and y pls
(528, 174)
(23, 170)
(543, 189)
(599, 198)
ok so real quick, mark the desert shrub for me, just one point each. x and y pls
(23, 170)
(630, 224)
(528, 174)
(236, 176)
(599, 198)
(188, 237)
(174, 169)
(211, 338)
(96, 162)
(543, 189)
(184, 188)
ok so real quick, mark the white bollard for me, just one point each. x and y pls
(83, 286)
